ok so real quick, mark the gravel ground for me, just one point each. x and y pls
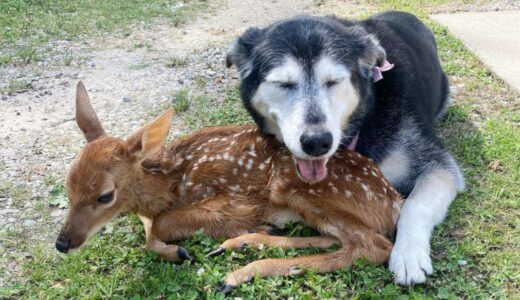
(129, 83)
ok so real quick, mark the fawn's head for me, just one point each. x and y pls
(97, 181)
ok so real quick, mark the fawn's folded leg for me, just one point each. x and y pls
(171, 253)
(220, 216)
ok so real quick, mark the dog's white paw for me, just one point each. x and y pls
(410, 263)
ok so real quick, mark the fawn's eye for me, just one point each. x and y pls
(106, 198)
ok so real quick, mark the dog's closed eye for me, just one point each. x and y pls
(288, 85)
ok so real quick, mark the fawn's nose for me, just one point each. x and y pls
(316, 144)
(62, 244)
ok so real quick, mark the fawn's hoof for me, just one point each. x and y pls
(183, 254)
(273, 230)
(226, 288)
(216, 252)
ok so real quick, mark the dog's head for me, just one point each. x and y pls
(306, 80)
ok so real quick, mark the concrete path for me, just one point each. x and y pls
(493, 36)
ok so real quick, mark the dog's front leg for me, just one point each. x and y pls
(425, 207)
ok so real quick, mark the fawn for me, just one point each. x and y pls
(232, 181)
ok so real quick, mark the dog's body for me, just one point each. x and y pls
(310, 82)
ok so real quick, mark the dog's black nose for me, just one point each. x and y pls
(62, 244)
(316, 144)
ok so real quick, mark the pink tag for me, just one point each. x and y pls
(378, 71)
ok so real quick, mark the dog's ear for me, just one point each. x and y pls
(373, 54)
(239, 53)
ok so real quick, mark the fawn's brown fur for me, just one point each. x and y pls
(227, 180)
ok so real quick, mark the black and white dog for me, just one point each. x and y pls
(315, 83)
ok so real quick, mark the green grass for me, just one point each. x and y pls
(176, 62)
(16, 86)
(210, 112)
(181, 101)
(26, 24)
(482, 227)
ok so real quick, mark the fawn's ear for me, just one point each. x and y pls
(150, 138)
(86, 117)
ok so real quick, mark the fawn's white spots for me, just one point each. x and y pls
(385, 190)
(235, 188)
(347, 193)
(179, 162)
(268, 160)
(373, 173)
(222, 180)
(352, 162)
(259, 139)
(211, 158)
(249, 165)
(223, 139)
(218, 157)
(245, 175)
(250, 188)
(334, 190)
(241, 161)
(235, 171)
(252, 153)
(195, 167)
(189, 157)
(261, 166)
(286, 171)
(233, 143)
(312, 192)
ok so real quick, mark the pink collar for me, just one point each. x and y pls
(378, 71)
(353, 143)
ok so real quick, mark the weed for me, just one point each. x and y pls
(17, 86)
(175, 61)
(181, 101)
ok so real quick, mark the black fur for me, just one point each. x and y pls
(401, 109)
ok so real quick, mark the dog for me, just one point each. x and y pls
(320, 84)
